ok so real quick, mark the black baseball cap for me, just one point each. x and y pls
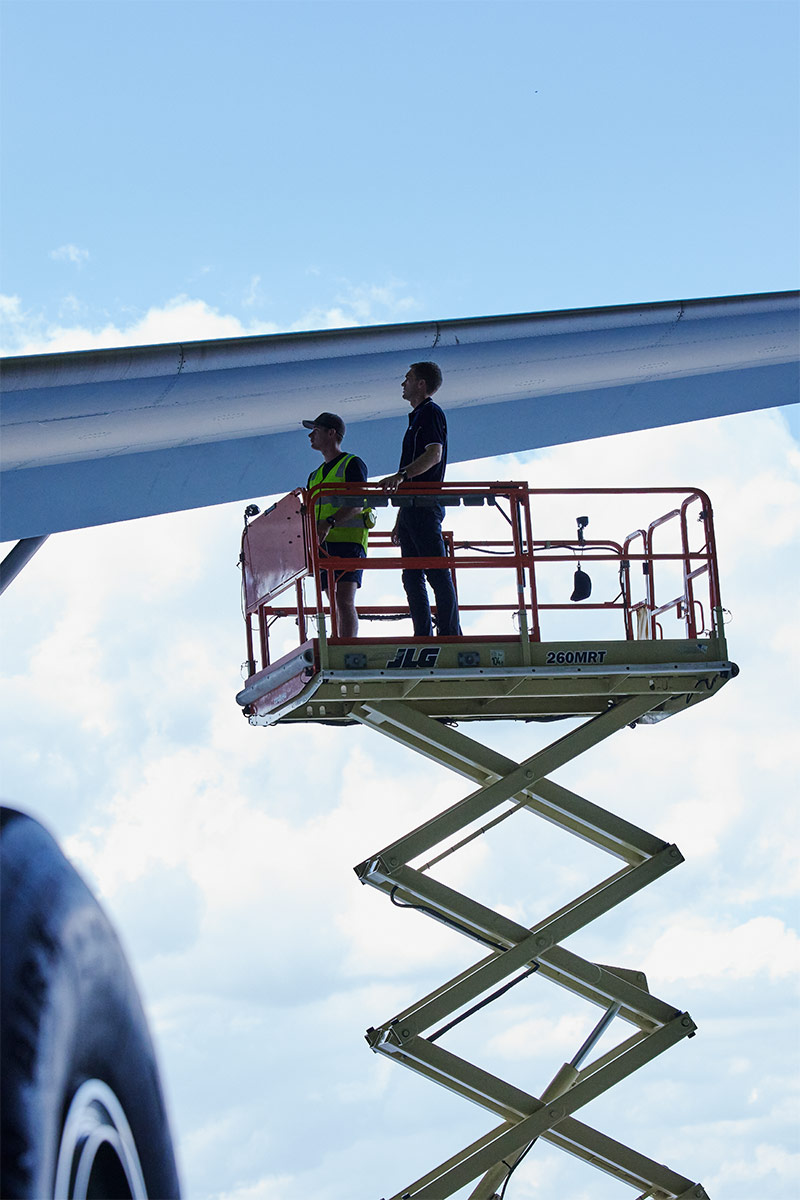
(327, 421)
(582, 588)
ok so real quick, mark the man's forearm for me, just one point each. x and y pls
(430, 456)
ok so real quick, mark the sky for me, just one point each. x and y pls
(197, 170)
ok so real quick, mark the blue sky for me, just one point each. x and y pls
(192, 170)
(394, 160)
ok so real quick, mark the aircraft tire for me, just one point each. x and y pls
(82, 1108)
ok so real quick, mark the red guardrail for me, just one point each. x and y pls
(281, 561)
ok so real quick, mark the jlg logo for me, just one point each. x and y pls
(406, 661)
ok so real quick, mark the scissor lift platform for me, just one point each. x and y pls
(417, 690)
(471, 679)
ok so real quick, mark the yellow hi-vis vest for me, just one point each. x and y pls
(347, 529)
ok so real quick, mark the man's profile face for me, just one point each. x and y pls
(321, 438)
(413, 388)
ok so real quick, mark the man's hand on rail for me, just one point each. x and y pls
(392, 482)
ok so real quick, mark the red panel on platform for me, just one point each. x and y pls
(274, 551)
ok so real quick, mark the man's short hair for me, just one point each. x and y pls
(430, 375)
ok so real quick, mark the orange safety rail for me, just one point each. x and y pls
(281, 562)
(705, 558)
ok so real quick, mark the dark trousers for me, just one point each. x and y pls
(419, 532)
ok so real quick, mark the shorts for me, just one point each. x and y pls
(342, 550)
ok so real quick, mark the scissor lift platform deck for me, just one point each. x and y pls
(485, 679)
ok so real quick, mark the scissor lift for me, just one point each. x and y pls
(416, 690)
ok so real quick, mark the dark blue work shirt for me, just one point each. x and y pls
(426, 426)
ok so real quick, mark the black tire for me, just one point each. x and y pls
(81, 1099)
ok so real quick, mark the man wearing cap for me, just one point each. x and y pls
(418, 530)
(341, 531)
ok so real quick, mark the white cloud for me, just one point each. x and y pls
(336, 317)
(361, 304)
(70, 305)
(16, 325)
(10, 307)
(274, 1188)
(70, 253)
(540, 1037)
(706, 951)
(186, 318)
(762, 1163)
(180, 319)
(253, 293)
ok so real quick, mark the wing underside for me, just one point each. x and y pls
(99, 436)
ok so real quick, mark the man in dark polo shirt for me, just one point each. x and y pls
(418, 530)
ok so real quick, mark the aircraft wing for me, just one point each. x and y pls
(107, 435)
